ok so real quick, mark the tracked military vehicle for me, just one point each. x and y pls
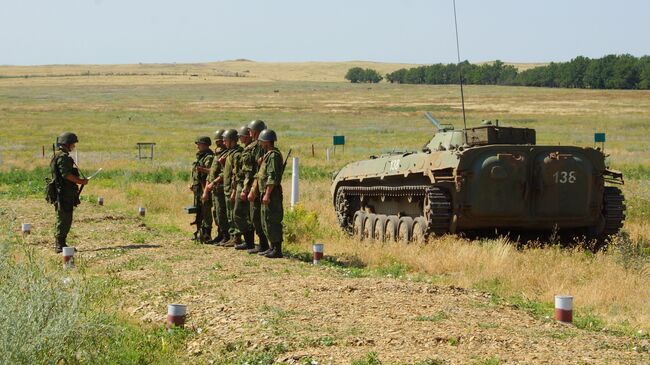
(486, 177)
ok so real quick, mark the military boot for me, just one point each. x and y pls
(215, 240)
(205, 235)
(225, 238)
(263, 246)
(276, 251)
(248, 243)
(59, 244)
(234, 241)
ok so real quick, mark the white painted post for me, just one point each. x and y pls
(76, 156)
(564, 308)
(26, 228)
(327, 154)
(317, 249)
(68, 257)
(294, 182)
(176, 314)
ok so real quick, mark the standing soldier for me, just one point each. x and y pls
(214, 191)
(229, 184)
(251, 157)
(269, 180)
(242, 206)
(200, 170)
(66, 178)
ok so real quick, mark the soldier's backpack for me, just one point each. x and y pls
(51, 188)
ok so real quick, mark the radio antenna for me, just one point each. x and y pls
(460, 73)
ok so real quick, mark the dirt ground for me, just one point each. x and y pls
(317, 312)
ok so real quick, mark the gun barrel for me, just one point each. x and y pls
(434, 121)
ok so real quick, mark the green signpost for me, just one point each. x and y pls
(338, 141)
(600, 138)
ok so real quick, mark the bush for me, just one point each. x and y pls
(300, 225)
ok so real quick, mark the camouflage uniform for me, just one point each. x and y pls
(229, 186)
(61, 166)
(270, 173)
(204, 226)
(251, 157)
(242, 207)
(218, 199)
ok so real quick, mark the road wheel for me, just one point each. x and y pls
(392, 224)
(359, 220)
(419, 230)
(405, 230)
(380, 228)
(369, 227)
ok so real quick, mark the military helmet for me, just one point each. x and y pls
(243, 131)
(67, 138)
(230, 134)
(204, 140)
(257, 125)
(267, 135)
(218, 135)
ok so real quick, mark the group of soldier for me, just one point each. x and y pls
(238, 186)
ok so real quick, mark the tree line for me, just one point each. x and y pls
(609, 72)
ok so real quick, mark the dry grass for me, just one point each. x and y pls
(112, 113)
(224, 71)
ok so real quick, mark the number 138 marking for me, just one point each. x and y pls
(565, 177)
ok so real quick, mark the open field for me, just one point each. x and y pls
(511, 287)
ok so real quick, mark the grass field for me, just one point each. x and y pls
(307, 104)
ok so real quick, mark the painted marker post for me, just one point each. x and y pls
(317, 248)
(564, 308)
(141, 211)
(294, 183)
(176, 314)
(327, 154)
(26, 228)
(68, 257)
(100, 200)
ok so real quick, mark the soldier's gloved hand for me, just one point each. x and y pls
(251, 197)
(83, 181)
(266, 199)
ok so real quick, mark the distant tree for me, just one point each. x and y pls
(370, 75)
(644, 72)
(396, 76)
(355, 74)
(624, 74)
(608, 72)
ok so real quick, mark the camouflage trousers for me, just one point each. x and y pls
(272, 215)
(230, 210)
(206, 215)
(242, 215)
(220, 211)
(63, 221)
(256, 218)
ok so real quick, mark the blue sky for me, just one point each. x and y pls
(411, 31)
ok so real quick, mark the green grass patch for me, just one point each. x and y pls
(437, 317)
(63, 317)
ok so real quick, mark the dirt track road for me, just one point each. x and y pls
(316, 312)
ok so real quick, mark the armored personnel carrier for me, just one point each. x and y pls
(486, 177)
